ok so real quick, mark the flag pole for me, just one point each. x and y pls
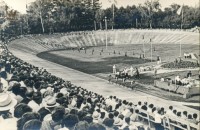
(181, 30)
(113, 15)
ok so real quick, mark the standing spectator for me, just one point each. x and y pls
(1, 86)
(114, 69)
(189, 74)
(137, 73)
(155, 72)
(7, 67)
(109, 78)
(131, 71)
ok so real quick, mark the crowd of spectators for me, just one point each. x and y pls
(32, 98)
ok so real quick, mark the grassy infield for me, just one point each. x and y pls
(100, 63)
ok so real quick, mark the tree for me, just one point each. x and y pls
(149, 9)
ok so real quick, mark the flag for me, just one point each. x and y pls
(112, 1)
(115, 1)
(179, 10)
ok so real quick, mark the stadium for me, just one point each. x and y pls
(131, 78)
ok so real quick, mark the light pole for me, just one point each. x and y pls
(106, 31)
(143, 46)
(151, 49)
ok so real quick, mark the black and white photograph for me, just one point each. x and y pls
(99, 64)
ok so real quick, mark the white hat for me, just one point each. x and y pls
(6, 102)
(118, 122)
(95, 115)
(51, 102)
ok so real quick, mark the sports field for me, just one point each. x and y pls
(100, 62)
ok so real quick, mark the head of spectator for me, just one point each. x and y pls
(171, 108)
(88, 118)
(185, 113)
(81, 125)
(195, 116)
(50, 103)
(96, 126)
(20, 109)
(110, 115)
(7, 103)
(127, 120)
(121, 117)
(26, 117)
(154, 109)
(37, 97)
(178, 114)
(32, 125)
(174, 111)
(16, 88)
(108, 122)
(95, 116)
(102, 115)
(73, 111)
(43, 112)
(144, 107)
(116, 113)
(69, 120)
(81, 115)
(189, 116)
(151, 105)
(58, 113)
(139, 103)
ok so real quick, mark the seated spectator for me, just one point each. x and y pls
(189, 74)
(21, 109)
(195, 119)
(81, 125)
(7, 104)
(36, 101)
(126, 123)
(108, 123)
(32, 125)
(88, 118)
(96, 126)
(43, 112)
(56, 119)
(25, 118)
(69, 121)
(169, 112)
(134, 117)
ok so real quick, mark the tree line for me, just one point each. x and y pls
(49, 16)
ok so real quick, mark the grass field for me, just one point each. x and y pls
(102, 59)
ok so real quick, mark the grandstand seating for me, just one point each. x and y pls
(98, 38)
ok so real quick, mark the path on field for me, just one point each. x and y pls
(95, 84)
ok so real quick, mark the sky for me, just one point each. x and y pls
(20, 5)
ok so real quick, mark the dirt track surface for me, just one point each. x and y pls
(93, 83)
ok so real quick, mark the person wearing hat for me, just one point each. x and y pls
(50, 103)
(8, 67)
(95, 116)
(3, 85)
(7, 104)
